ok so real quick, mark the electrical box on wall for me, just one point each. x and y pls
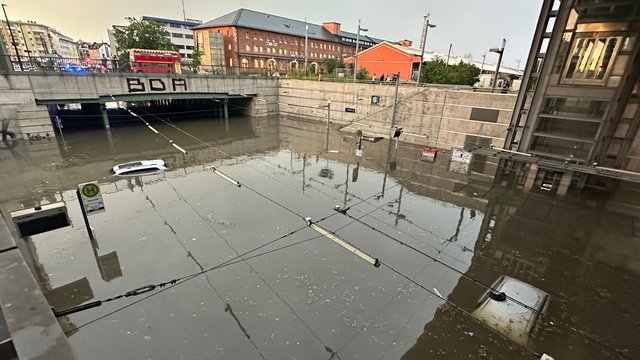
(40, 219)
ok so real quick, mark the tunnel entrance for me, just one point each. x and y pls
(74, 116)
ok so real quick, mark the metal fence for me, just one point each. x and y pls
(88, 65)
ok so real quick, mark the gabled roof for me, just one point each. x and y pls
(251, 19)
(405, 50)
(430, 56)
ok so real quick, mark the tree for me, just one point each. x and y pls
(332, 64)
(465, 74)
(195, 61)
(141, 34)
(363, 74)
(437, 72)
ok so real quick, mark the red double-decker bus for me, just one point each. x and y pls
(154, 61)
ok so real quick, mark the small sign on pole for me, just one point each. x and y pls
(91, 197)
(91, 202)
(349, 110)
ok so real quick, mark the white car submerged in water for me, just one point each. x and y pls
(139, 167)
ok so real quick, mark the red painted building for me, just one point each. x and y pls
(386, 58)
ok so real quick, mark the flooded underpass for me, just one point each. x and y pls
(244, 277)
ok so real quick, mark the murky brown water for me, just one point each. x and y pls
(314, 300)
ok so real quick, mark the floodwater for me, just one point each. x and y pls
(303, 296)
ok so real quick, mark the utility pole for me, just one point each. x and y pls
(395, 105)
(306, 41)
(355, 63)
(13, 39)
(484, 57)
(500, 52)
(449, 54)
(184, 15)
(423, 44)
(328, 106)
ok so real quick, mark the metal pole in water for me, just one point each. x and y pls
(84, 216)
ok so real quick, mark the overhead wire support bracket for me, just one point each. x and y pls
(224, 176)
(364, 256)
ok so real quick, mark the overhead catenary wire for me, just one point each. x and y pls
(228, 155)
(491, 289)
(435, 293)
(166, 285)
(137, 291)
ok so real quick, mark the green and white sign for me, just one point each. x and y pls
(91, 197)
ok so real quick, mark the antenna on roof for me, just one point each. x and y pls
(184, 15)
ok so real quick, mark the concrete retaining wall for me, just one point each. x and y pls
(437, 117)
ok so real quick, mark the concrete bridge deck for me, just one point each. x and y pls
(25, 97)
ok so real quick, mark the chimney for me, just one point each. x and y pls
(405, 42)
(332, 27)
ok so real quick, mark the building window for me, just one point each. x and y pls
(246, 35)
(285, 51)
(229, 46)
(574, 108)
(280, 51)
(255, 36)
(247, 48)
(255, 48)
(177, 35)
(285, 41)
(591, 58)
(189, 47)
(244, 63)
(260, 36)
(255, 63)
(188, 36)
(261, 50)
(230, 62)
(261, 64)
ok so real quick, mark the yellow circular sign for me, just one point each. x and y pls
(90, 190)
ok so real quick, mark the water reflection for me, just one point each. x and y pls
(301, 300)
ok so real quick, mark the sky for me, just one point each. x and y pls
(472, 26)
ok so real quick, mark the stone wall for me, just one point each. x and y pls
(431, 116)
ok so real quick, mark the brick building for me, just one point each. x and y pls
(247, 41)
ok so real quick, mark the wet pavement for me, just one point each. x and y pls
(436, 232)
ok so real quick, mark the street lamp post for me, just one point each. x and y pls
(13, 39)
(355, 64)
(425, 29)
(500, 52)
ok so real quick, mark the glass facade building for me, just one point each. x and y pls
(579, 102)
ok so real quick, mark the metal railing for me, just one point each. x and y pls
(89, 66)
(59, 64)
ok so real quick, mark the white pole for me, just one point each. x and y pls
(306, 40)
(355, 64)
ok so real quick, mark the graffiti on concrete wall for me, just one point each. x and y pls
(137, 85)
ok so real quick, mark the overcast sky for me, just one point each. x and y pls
(472, 26)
